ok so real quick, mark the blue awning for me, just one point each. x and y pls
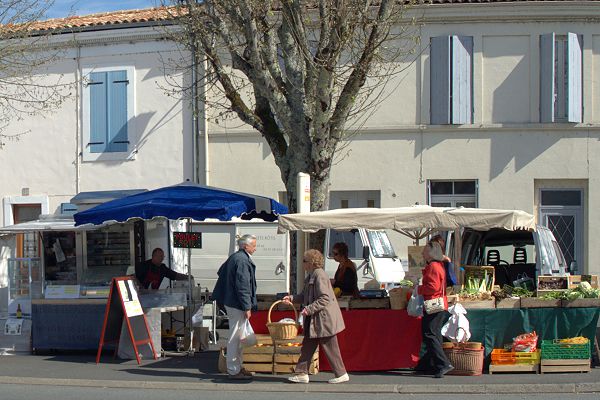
(186, 200)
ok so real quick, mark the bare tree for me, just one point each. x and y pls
(24, 51)
(304, 74)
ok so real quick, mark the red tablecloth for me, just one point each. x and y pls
(374, 340)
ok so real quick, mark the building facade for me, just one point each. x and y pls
(499, 108)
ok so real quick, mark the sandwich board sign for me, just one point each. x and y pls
(124, 305)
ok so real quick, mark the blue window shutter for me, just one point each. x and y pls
(462, 88)
(439, 91)
(117, 111)
(547, 72)
(97, 87)
(575, 65)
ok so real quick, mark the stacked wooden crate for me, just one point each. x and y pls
(514, 361)
(279, 356)
(259, 358)
(565, 357)
(287, 353)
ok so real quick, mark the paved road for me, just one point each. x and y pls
(40, 392)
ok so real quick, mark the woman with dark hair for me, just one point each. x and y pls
(346, 278)
(448, 265)
(434, 360)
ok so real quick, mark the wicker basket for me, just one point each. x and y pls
(282, 330)
(399, 298)
(466, 361)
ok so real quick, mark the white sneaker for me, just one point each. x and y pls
(300, 378)
(339, 379)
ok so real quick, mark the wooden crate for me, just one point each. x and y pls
(265, 368)
(580, 303)
(547, 283)
(469, 304)
(508, 303)
(534, 302)
(479, 272)
(514, 368)
(575, 280)
(565, 365)
(370, 303)
(287, 363)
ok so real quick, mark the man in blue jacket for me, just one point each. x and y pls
(236, 290)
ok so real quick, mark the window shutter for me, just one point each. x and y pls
(547, 72)
(97, 87)
(439, 65)
(117, 111)
(462, 105)
(575, 65)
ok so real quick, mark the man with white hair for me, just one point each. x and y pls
(236, 290)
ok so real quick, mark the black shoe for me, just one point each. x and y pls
(444, 371)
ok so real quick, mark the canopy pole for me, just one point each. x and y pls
(303, 206)
(190, 301)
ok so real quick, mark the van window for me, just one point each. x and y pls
(352, 240)
(380, 244)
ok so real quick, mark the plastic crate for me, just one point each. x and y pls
(553, 350)
(504, 357)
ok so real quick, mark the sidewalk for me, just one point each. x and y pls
(200, 372)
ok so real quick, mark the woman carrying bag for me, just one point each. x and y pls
(433, 290)
(322, 320)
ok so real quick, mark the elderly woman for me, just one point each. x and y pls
(434, 360)
(345, 278)
(322, 320)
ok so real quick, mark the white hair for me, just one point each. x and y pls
(245, 240)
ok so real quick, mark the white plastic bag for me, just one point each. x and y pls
(198, 317)
(415, 304)
(457, 328)
(247, 337)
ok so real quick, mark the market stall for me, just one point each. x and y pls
(374, 340)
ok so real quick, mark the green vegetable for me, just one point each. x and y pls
(406, 283)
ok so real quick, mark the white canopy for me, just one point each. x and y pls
(44, 224)
(407, 219)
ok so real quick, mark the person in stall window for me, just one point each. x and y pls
(151, 273)
(346, 278)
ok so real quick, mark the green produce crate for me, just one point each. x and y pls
(552, 350)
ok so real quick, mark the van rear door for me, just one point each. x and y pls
(550, 257)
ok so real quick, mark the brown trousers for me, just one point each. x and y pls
(332, 352)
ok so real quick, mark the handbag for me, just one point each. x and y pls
(435, 305)
(415, 304)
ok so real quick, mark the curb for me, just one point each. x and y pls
(319, 387)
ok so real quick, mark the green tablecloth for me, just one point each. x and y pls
(497, 327)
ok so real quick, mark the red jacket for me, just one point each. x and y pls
(434, 282)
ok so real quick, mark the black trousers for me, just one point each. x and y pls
(434, 358)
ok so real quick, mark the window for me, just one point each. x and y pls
(451, 84)
(561, 78)
(453, 193)
(108, 111)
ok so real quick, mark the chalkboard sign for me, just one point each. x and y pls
(187, 240)
(124, 305)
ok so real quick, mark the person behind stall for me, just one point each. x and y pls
(236, 290)
(322, 320)
(434, 360)
(345, 278)
(151, 272)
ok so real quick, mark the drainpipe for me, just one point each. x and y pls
(195, 131)
(205, 125)
(78, 120)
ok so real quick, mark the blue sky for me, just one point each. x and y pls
(64, 8)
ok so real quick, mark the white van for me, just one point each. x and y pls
(219, 240)
(514, 254)
(371, 251)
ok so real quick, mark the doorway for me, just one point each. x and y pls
(561, 210)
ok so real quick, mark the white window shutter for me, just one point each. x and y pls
(575, 65)
(462, 88)
(439, 92)
(547, 72)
